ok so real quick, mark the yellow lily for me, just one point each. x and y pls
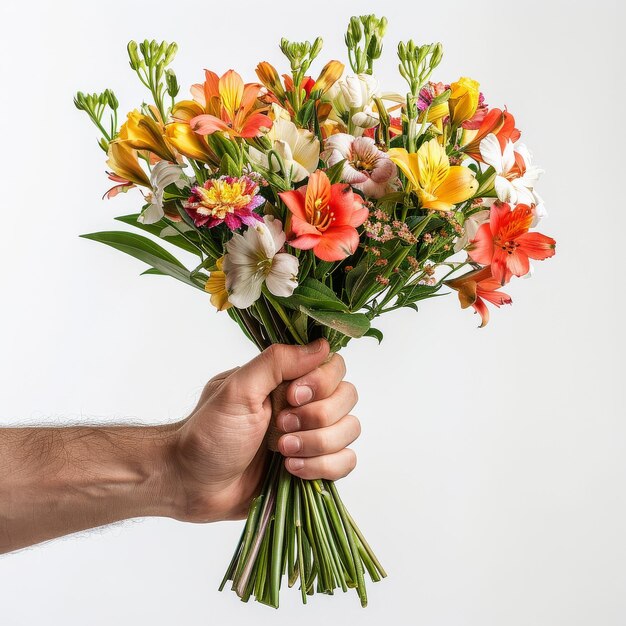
(216, 286)
(124, 162)
(143, 133)
(439, 185)
(463, 100)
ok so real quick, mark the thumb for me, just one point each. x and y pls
(259, 377)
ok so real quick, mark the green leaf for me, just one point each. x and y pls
(351, 324)
(155, 229)
(374, 332)
(314, 294)
(334, 172)
(151, 271)
(147, 251)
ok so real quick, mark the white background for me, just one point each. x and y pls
(492, 462)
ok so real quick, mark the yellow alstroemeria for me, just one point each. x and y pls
(189, 144)
(141, 132)
(439, 185)
(124, 162)
(216, 286)
(463, 100)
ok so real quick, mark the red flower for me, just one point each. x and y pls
(324, 217)
(505, 243)
(477, 286)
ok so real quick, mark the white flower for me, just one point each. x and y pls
(366, 118)
(162, 175)
(515, 176)
(297, 147)
(253, 259)
(359, 90)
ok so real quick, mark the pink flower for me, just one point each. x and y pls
(366, 167)
(226, 199)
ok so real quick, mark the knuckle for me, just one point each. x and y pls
(322, 416)
(322, 441)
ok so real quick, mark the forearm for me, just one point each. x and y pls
(57, 481)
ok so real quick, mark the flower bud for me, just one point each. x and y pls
(172, 83)
(112, 101)
(316, 48)
(133, 55)
(170, 52)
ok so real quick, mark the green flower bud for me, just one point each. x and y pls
(382, 27)
(112, 99)
(133, 54)
(170, 52)
(316, 48)
(355, 29)
(172, 83)
(79, 100)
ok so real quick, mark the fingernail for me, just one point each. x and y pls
(290, 423)
(295, 464)
(292, 444)
(314, 346)
(303, 394)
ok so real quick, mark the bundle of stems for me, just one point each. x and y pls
(296, 528)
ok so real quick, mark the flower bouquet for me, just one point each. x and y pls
(307, 206)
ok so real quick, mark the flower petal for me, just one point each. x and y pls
(337, 243)
(282, 278)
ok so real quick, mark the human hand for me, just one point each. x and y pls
(221, 450)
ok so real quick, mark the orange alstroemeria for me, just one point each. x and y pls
(505, 243)
(230, 106)
(439, 185)
(477, 286)
(324, 217)
(497, 122)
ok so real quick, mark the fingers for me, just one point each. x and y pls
(321, 413)
(321, 441)
(257, 378)
(317, 384)
(331, 466)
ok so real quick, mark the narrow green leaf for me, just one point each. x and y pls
(147, 251)
(351, 324)
(155, 229)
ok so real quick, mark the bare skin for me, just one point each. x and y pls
(208, 467)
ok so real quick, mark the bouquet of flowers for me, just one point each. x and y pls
(309, 206)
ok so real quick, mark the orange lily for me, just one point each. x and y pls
(497, 122)
(505, 243)
(477, 286)
(439, 185)
(229, 107)
(324, 217)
